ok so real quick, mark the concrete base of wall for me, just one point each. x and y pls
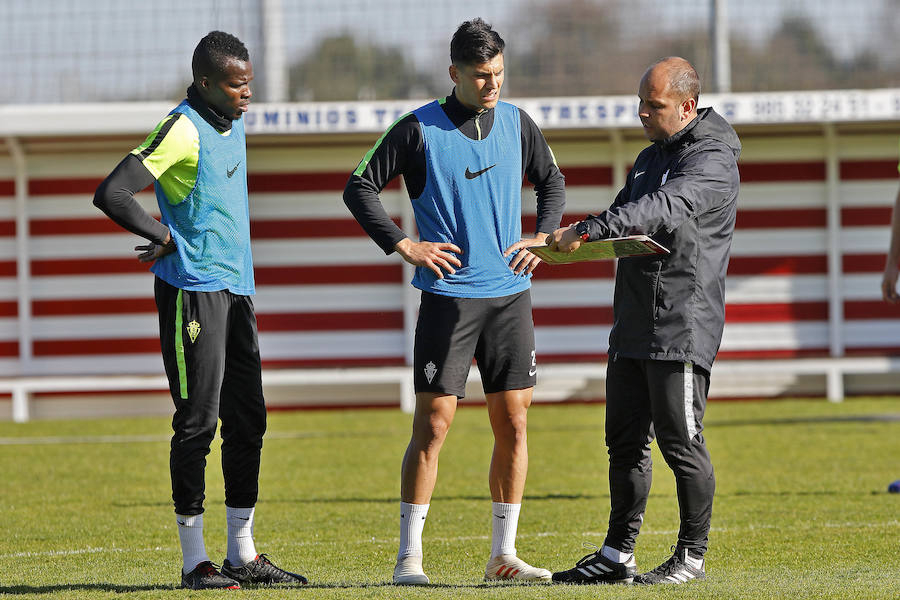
(551, 388)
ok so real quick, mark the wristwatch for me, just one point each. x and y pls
(581, 229)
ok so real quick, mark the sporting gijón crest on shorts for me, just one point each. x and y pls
(472, 198)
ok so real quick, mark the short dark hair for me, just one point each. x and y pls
(475, 42)
(214, 50)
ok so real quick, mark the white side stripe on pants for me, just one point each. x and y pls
(689, 400)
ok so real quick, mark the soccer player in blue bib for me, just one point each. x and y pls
(463, 159)
(196, 158)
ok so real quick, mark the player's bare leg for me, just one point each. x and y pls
(431, 422)
(508, 412)
(509, 468)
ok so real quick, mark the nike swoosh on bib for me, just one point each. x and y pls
(230, 172)
(471, 175)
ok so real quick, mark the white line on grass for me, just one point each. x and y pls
(50, 553)
(86, 439)
(129, 439)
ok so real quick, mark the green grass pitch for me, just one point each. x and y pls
(801, 510)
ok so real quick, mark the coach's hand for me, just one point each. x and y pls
(524, 262)
(152, 251)
(433, 255)
(564, 239)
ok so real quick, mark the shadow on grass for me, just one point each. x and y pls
(393, 500)
(51, 590)
(815, 493)
(23, 590)
(431, 586)
(882, 418)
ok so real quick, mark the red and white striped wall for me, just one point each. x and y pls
(328, 297)
(804, 278)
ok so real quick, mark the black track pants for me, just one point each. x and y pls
(211, 355)
(666, 400)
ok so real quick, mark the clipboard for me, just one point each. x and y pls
(632, 245)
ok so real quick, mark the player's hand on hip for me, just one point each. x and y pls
(564, 239)
(436, 256)
(524, 262)
(152, 251)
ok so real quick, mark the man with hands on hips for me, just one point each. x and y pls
(463, 158)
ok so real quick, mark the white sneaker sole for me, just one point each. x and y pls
(537, 577)
(413, 579)
(409, 572)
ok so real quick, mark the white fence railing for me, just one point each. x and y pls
(576, 376)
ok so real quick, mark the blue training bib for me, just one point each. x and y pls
(211, 226)
(472, 198)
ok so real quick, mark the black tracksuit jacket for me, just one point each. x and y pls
(683, 193)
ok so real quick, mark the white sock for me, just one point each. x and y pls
(190, 533)
(412, 523)
(697, 563)
(505, 523)
(615, 555)
(241, 549)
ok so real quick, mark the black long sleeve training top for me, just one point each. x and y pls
(115, 195)
(401, 151)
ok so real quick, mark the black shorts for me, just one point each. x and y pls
(497, 332)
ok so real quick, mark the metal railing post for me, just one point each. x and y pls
(410, 307)
(23, 271)
(835, 375)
